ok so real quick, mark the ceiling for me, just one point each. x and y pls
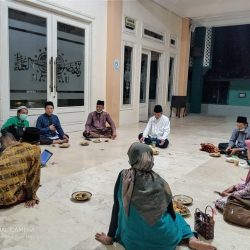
(210, 12)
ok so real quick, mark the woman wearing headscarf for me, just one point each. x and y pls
(241, 190)
(143, 216)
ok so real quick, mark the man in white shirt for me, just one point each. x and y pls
(157, 130)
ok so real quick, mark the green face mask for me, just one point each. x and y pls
(23, 117)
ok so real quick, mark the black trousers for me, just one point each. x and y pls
(223, 146)
(44, 140)
(149, 141)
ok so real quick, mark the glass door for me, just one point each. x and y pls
(144, 85)
(47, 60)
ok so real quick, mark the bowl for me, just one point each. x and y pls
(84, 143)
(81, 196)
(183, 199)
(64, 145)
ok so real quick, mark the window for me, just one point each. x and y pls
(173, 41)
(130, 24)
(215, 92)
(149, 33)
(127, 75)
(143, 83)
(170, 78)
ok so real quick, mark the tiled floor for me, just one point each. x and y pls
(57, 223)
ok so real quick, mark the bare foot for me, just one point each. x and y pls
(104, 239)
(199, 245)
(31, 203)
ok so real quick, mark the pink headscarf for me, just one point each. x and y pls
(247, 142)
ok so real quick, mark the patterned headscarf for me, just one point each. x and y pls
(142, 187)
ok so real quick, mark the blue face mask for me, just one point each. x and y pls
(23, 117)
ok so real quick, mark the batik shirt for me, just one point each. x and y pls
(19, 171)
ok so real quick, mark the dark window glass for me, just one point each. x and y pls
(127, 75)
(215, 92)
(153, 34)
(172, 42)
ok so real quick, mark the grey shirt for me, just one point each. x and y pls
(238, 138)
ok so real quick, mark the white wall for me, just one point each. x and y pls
(159, 19)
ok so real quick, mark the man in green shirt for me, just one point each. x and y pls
(19, 121)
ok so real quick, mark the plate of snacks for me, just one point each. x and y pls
(183, 199)
(64, 145)
(81, 196)
(84, 143)
(181, 209)
(155, 151)
(215, 154)
(97, 141)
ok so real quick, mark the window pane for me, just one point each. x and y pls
(143, 84)
(70, 65)
(215, 92)
(27, 59)
(127, 76)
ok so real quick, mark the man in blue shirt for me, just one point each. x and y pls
(236, 143)
(50, 127)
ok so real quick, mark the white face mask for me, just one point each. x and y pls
(23, 117)
(99, 112)
(241, 130)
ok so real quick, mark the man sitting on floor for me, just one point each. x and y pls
(236, 143)
(19, 122)
(157, 130)
(95, 126)
(50, 127)
(20, 166)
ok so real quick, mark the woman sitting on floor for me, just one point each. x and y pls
(143, 216)
(242, 189)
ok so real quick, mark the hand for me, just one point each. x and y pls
(224, 194)
(65, 137)
(104, 239)
(142, 139)
(229, 190)
(52, 127)
(234, 151)
(162, 142)
(228, 149)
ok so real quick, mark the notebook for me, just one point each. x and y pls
(45, 156)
